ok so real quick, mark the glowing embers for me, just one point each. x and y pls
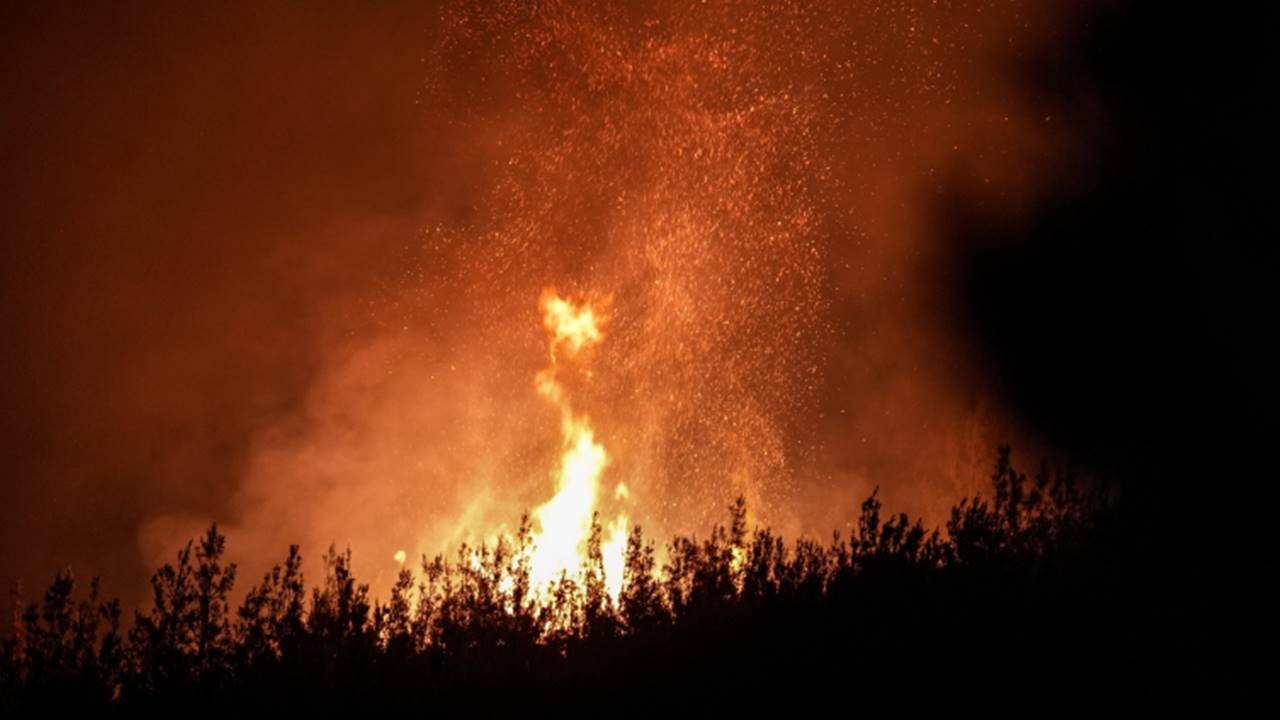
(562, 538)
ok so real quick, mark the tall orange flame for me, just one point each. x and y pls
(564, 522)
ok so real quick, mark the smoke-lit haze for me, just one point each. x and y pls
(280, 268)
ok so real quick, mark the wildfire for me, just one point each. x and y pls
(574, 327)
(564, 523)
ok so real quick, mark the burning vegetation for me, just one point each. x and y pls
(1033, 566)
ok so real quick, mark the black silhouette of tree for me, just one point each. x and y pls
(1033, 571)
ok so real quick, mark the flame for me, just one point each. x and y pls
(573, 327)
(564, 523)
(565, 520)
(614, 553)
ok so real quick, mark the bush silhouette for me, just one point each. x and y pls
(1029, 574)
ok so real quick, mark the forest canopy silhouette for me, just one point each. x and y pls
(1033, 571)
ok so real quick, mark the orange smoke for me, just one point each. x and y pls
(737, 180)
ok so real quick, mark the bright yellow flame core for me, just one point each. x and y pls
(570, 326)
(564, 523)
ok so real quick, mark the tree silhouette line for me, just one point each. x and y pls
(1037, 575)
